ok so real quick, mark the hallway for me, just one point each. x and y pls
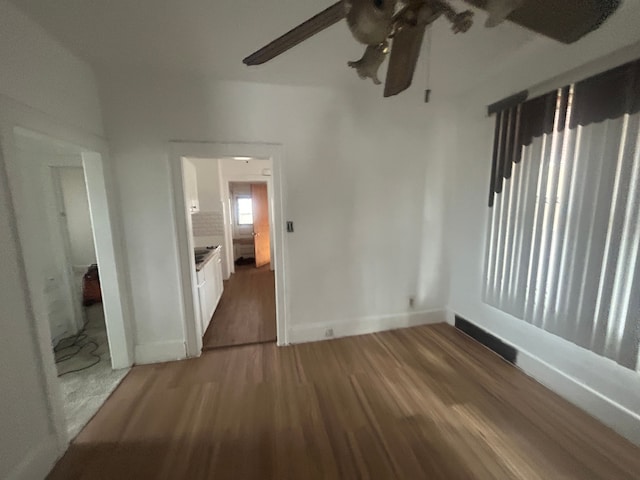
(247, 310)
(424, 402)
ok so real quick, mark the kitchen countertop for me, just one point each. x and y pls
(209, 253)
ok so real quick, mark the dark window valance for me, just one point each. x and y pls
(517, 126)
(608, 95)
(537, 117)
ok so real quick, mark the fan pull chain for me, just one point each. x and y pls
(427, 75)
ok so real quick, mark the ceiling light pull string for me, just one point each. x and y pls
(427, 63)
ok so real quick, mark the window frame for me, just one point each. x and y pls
(236, 199)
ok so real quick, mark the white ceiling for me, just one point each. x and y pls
(211, 37)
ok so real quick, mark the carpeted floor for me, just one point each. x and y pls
(85, 391)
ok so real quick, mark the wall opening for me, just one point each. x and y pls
(59, 195)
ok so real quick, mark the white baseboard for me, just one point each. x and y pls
(360, 326)
(38, 462)
(605, 409)
(451, 317)
(158, 352)
(615, 416)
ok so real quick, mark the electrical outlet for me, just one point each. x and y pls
(328, 332)
(412, 302)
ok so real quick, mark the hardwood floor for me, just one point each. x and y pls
(247, 310)
(420, 403)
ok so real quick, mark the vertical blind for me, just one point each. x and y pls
(564, 221)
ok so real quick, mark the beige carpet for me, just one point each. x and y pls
(85, 391)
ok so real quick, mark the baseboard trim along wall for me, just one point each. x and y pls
(615, 416)
(612, 414)
(158, 352)
(360, 326)
(38, 462)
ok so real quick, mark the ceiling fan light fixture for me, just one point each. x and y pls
(499, 10)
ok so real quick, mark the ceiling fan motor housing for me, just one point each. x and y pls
(370, 21)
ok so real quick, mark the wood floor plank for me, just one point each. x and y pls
(426, 402)
(247, 310)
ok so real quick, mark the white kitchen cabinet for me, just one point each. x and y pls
(218, 272)
(210, 287)
(201, 314)
(210, 297)
(191, 187)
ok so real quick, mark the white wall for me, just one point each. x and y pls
(53, 297)
(36, 71)
(81, 249)
(598, 385)
(231, 168)
(361, 182)
(27, 434)
(77, 215)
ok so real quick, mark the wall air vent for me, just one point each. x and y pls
(509, 353)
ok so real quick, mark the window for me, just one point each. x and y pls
(245, 210)
(563, 245)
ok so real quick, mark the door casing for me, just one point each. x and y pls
(184, 241)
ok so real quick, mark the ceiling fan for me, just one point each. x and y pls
(397, 28)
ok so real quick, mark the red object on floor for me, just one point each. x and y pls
(91, 292)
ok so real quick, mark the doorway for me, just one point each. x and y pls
(250, 224)
(66, 235)
(247, 310)
(80, 344)
(212, 225)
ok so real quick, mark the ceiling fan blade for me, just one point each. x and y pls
(315, 24)
(566, 21)
(405, 50)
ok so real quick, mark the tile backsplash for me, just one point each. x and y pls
(206, 224)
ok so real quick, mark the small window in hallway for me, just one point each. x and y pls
(245, 211)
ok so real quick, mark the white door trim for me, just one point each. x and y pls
(182, 223)
(15, 119)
